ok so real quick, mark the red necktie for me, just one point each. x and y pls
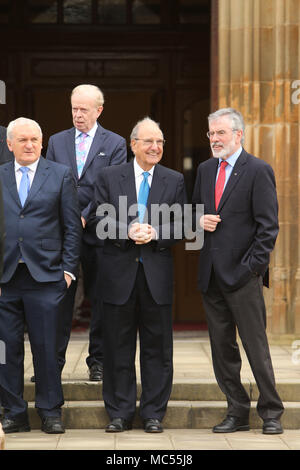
(220, 183)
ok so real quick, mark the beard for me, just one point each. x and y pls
(219, 150)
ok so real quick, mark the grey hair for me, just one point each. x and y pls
(235, 116)
(22, 121)
(135, 130)
(92, 90)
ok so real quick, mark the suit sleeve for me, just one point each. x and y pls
(71, 224)
(174, 227)
(50, 155)
(2, 232)
(265, 213)
(119, 154)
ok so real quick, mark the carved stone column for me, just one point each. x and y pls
(258, 66)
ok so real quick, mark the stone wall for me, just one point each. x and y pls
(258, 69)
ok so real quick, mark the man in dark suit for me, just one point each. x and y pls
(240, 225)
(87, 148)
(2, 231)
(137, 280)
(43, 234)
(5, 154)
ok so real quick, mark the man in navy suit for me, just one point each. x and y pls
(87, 148)
(137, 280)
(43, 234)
(5, 154)
(240, 225)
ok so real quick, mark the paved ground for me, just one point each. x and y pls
(191, 360)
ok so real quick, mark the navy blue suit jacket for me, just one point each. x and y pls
(240, 246)
(107, 149)
(46, 232)
(121, 256)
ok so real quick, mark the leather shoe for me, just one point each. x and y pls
(118, 425)
(96, 372)
(272, 426)
(232, 424)
(52, 425)
(152, 425)
(14, 425)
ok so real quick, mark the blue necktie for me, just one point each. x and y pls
(24, 184)
(143, 196)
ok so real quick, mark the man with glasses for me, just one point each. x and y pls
(241, 225)
(137, 281)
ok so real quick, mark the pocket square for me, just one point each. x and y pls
(101, 154)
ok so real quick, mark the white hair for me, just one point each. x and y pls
(235, 116)
(92, 90)
(21, 121)
(136, 128)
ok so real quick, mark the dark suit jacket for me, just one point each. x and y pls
(107, 149)
(5, 154)
(47, 230)
(242, 242)
(2, 231)
(121, 256)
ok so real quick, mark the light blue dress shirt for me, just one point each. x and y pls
(231, 162)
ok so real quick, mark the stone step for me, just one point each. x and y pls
(180, 415)
(185, 389)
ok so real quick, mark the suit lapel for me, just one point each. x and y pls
(236, 173)
(11, 182)
(211, 183)
(157, 189)
(39, 178)
(127, 185)
(71, 150)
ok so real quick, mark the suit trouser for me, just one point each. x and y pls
(37, 304)
(243, 308)
(154, 324)
(90, 256)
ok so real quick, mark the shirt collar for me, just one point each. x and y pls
(233, 158)
(139, 171)
(90, 133)
(32, 166)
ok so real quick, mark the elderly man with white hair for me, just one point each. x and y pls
(43, 234)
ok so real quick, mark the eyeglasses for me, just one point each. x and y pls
(220, 133)
(150, 142)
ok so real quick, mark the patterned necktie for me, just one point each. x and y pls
(143, 196)
(81, 151)
(220, 183)
(24, 184)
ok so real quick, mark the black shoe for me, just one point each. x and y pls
(14, 425)
(232, 424)
(272, 426)
(118, 425)
(52, 425)
(96, 372)
(153, 425)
